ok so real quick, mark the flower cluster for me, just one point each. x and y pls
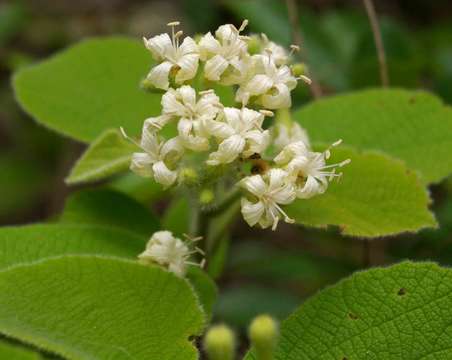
(190, 73)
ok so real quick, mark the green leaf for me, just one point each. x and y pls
(30, 243)
(399, 312)
(204, 286)
(376, 196)
(109, 208)
(100, 308)
(409, 125)
(14, 352)
(90, 87)
(108, 155)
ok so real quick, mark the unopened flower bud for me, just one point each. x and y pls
(254, 45)
(263, 333)
(188, 176)
(298, 69)
(206, 196)
(219, 343)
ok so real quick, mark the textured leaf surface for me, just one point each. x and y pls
(415, 127)
(14, 352)
(108, 155)
(376, 196)
(91, 87)
(399, 312)
(100, 308)
(35, 242)
(109, 208)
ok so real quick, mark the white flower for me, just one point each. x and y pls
(308, 168)
(269, 191)
(158, 158)
(182, 60)
(277, 52)
(289, 133)
(222, 51)
(182, 104)
(165, 249)
(272, 84)
(240, 133)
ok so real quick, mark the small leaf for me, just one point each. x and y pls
(376, 196)
(399, 312)
(109, 208)
(15, 352)
(26, 244)
(409, 125)
(90, 87)
(86, 307)
(108, 155)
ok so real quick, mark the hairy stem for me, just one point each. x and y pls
(297, 39)
(370, 9)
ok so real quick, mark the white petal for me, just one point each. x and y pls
(233, 118)
(171, 104)
(155, 124)
(280, 100)
(218, 129)
(159, 46)
(184, 126)
(208, 105)
(208, 45)
(172, 150)
(228, 151)
(259, 84)
(188, 46)
(188, 95)
(251, 118)
(161, 237)
(252, 213)
(163, 175)
(188, 67)
(158, 76)
(311, 188)
(257, 141)
(142, 164)
(214, 67)
(284, 76)
(254, 184)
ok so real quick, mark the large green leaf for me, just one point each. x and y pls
(108, 155)
(27, 244)
(91, 87)
(399, 312)
(415, 127)
(86, 307)
(109, 208)
(14, 352)
(376, 196)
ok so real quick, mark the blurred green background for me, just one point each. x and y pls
(266, 272)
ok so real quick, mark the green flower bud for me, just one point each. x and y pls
(298, 69)
(254, 45)
(206, 196)
(263, 333)
(188, 176)
(219, 343)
